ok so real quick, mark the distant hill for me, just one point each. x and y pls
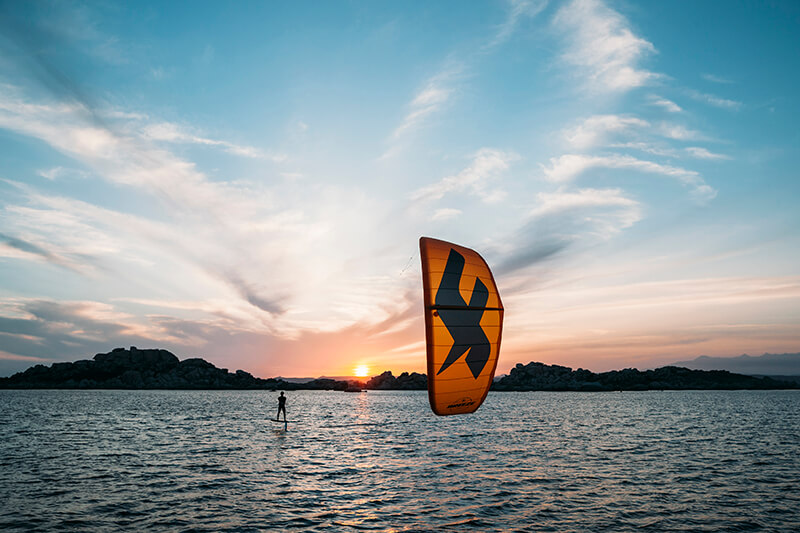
(343, 378)
(542, 377)
(150, 369)
(295, 380)
(785, 364)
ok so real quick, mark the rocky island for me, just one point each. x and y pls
(542, 377)
(160, 369)
(150, 369)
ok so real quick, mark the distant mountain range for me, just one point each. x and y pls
(769, 364)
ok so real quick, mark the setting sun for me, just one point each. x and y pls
(361, 371)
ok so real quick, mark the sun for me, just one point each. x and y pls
(361, 371)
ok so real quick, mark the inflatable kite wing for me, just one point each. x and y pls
(463, 326)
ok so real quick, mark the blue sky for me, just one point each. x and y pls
(247, 182)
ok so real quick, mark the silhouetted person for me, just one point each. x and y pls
(281, 407)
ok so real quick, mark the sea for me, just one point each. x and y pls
(382, 461)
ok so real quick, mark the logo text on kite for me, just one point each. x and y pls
(463, 402)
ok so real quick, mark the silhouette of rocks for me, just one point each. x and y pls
(327, 384)
(542, 377)
(404, 381)
(160, 369)
(140, 369)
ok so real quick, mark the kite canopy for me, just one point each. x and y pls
(463, 326)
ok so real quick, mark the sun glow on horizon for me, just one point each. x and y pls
(361, 371)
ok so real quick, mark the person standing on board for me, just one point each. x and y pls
(281, 407)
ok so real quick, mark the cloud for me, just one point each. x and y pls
(438, 91)
(716, 79)
(261, 265)
(560, 202)
(39, 50)
(430, 100)
(41, 327)
(487, 165)
(18, 247)
(702, 153)
(596, 129)
(56, 173)
(79, 27)
(678, 132)
(435, 94)
(168, 132)
(253, 296)
(715, 101)
(649, 148)
(599, 213)
(446, 213)
(46, 330)
(569, 166)
(121, 158)
(602, 47)
(518, 9)
(254, 243)
(667, 105)
(5, 356)
(564, 218)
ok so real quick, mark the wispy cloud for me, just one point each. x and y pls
(18, 247)
(602, 47)
(702, 153)
(209, 230)
(564, 218)
(518, 9)
(446, 213)
(609, 130)
(569, 166)
(678, 132)
(169, 132)
(598, 128)
(667, 105)
(722, 103)
(486, 166)
(433, 96)
(716, 79)
(55, 173)
(440, 89)
(14, 357)
(32, 328)
(559, 202)
(648, 148)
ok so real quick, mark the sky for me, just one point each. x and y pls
(248, 182)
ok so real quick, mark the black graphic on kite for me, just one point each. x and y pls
(461, 320)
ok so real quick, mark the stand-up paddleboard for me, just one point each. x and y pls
(284, 422)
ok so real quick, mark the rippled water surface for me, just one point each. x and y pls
(212, 461)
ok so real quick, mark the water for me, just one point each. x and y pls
(211, 461)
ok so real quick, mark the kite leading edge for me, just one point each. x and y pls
(463, 326)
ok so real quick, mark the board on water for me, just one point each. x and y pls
(281, 421)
